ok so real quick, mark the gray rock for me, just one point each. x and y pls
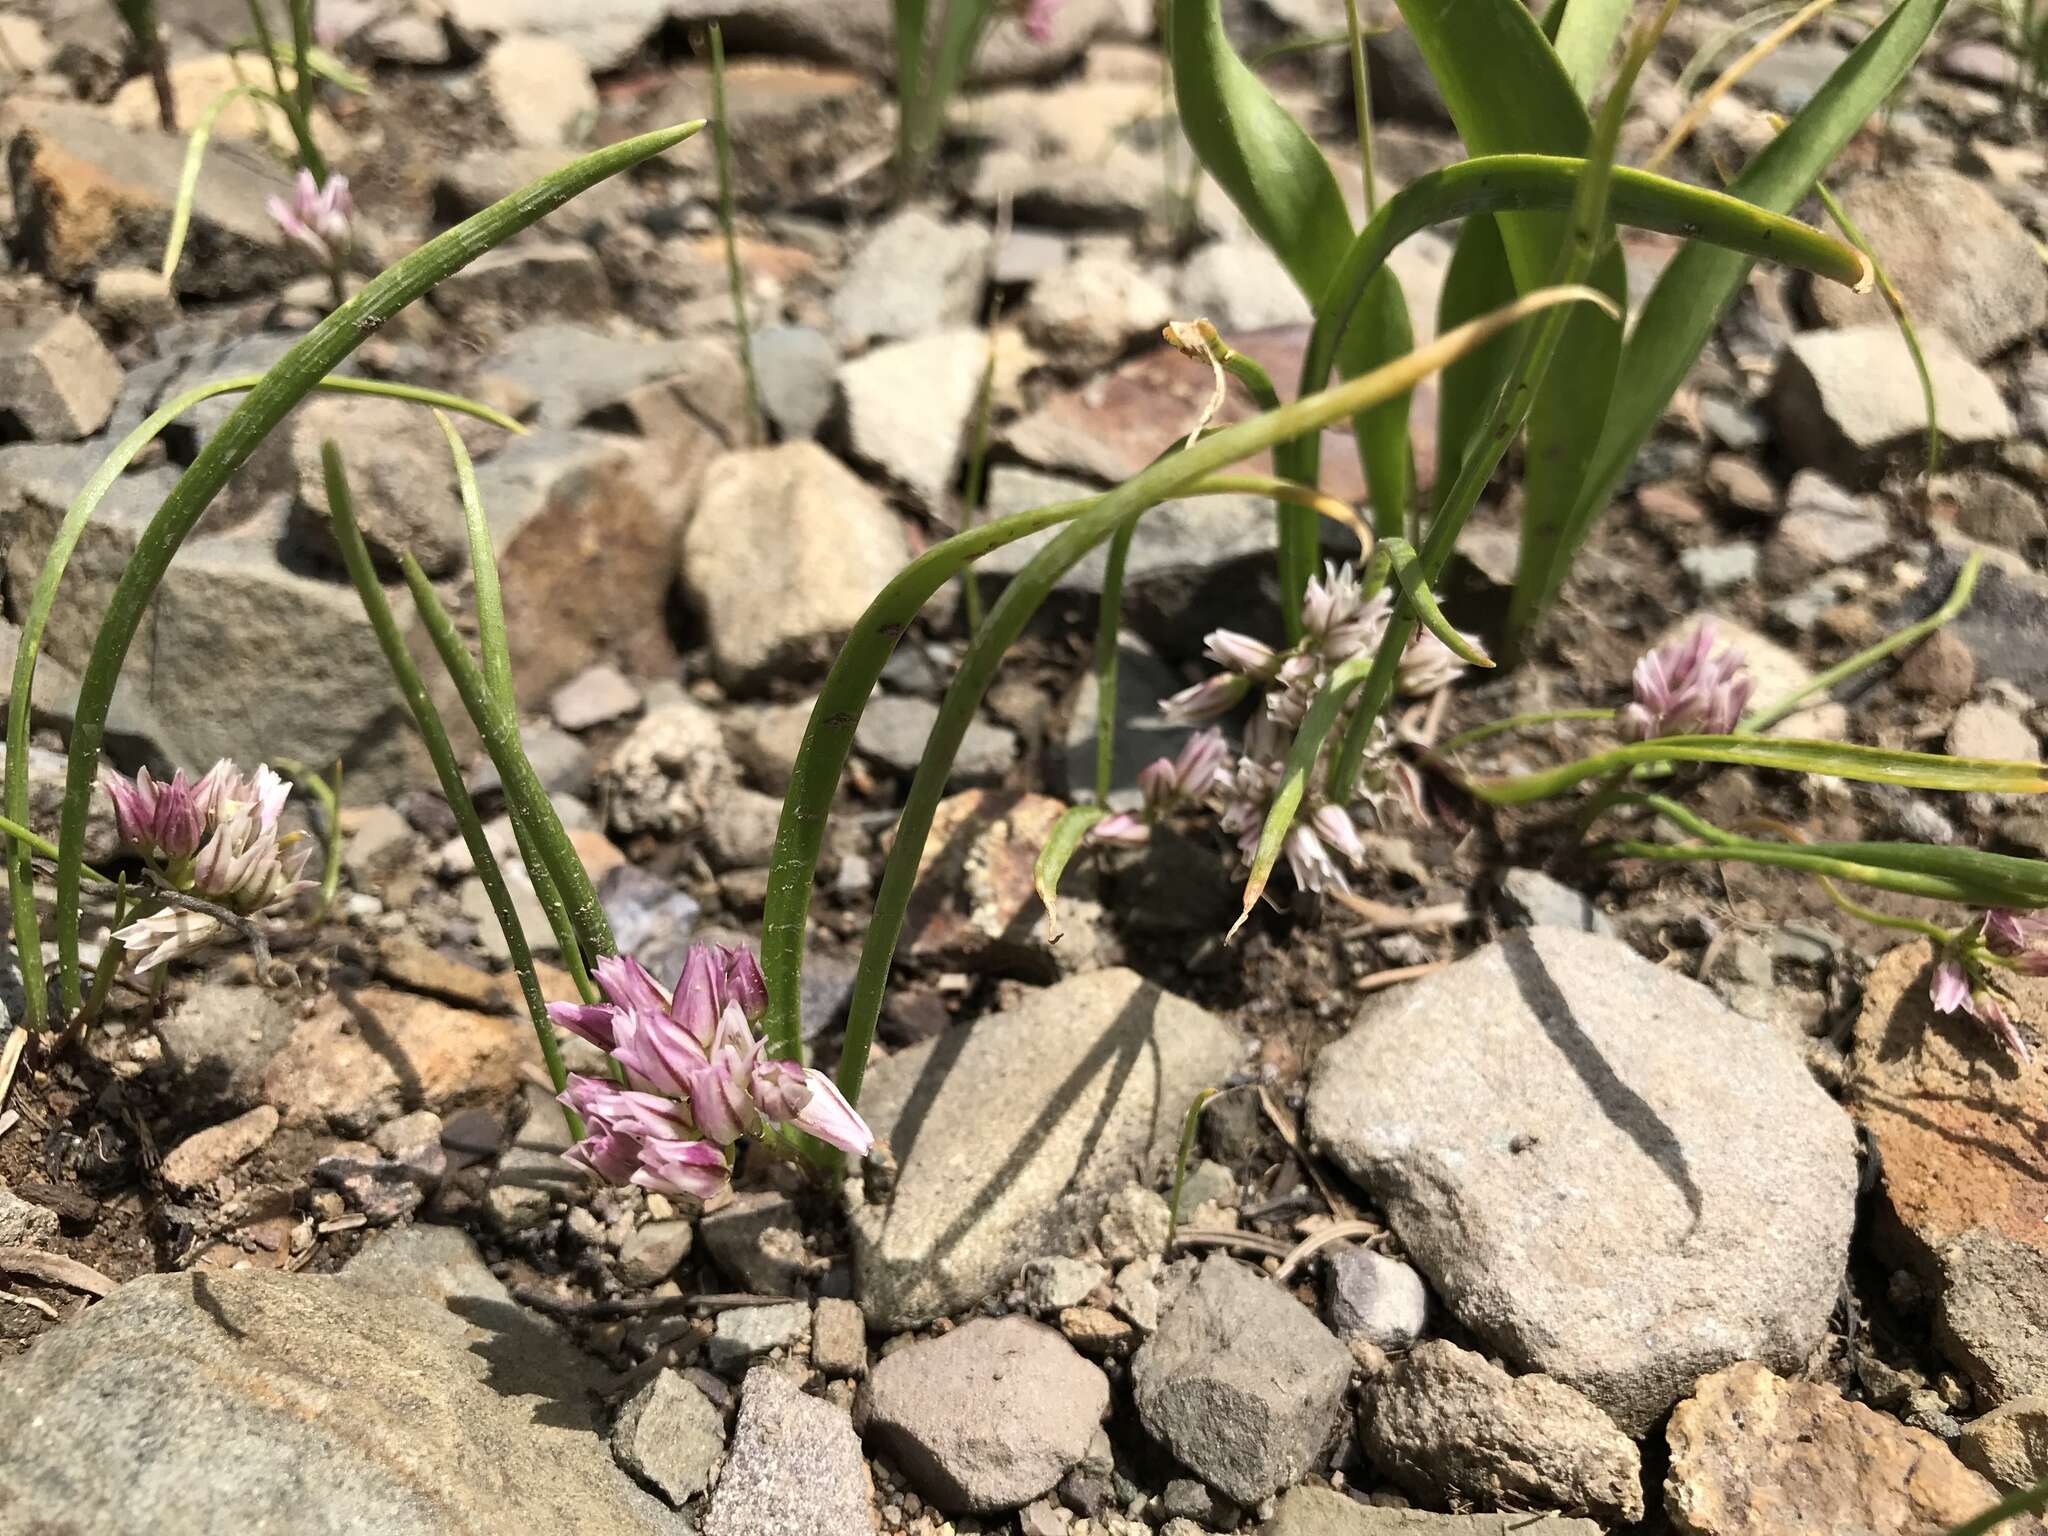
(58, 380)
(400, 477)
(785, 551)
(577, 376)
(665, 774)
(795, 366)
(604, 33)
(2008, 1445)
(595, 696)
(24, 1224)
(652, 1250)
(893, 731)
(1143, 734)
(200, 1402)
(839, 1338)
(671, 1437)
(743, 1334)
(1963, 265)
(1823, 527)
(1849, 402)
(739, 828)
(1993, 1317)
(1084, 315)
(1054, 1102)
(1027, 254)
(1449, 1426)
(1310, 1511)
(909, 406)
(1241, 1382)
(1534, 900)
(1241, 286)
(1372, 1297)
(1984, 729)
(650, 918)
(205, 1155)
(758, 1239)
(1716, 567)
(1604, 1173)
(217, 1041)
(1134, 1225)
(526, 1187)
(914, 275)
(540, 89)
(1054, 1284)
(853, 32)
(1993, 509)
(795, 1467)
(1207, 1182)
(505, 287)
(1790, 76)
(381, 1189)
(987, 1417)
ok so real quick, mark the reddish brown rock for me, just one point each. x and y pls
(1955, 1119)
(368, 1055)
(1755, 1455)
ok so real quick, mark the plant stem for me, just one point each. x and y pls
(722, 131)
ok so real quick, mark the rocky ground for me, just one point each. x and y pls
(1655, 1200)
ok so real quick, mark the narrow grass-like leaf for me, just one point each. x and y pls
(1957, 599)
(328, 796)
(1686, 304)
(1401, 556)
(1061, 844)
(1188, 1124)
(495, 646)
(312, 359)
(188, 175)
(1901, 317)
(828, 736)
(355, 556)
(2028, 1501)
(1732, 76)
(1165, 478)
(1108, 628)
(526, 800)
(1869, 765)
(43, 600)
(1805, 861)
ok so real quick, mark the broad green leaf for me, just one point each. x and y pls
(1585, 40)
(1285, 189)
(1508, 93)
(1686, 305)
(1478, 280)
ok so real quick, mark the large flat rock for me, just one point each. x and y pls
(1607, 1175)
(417, 1398)
(1012, 1134)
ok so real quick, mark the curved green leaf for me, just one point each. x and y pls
(1477, 280)
(1585, 40)
(315, 356)
(1061, 844)
(1869, 765)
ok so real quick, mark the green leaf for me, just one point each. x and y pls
(1585, 40)
(1869, 765)
(1478, 280)
(1686, 305)
(297, 372)
(1061, 844)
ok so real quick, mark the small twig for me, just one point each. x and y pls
(1384, 917)
(227, 917)
(1379, 980)
(1309, 1246)
(34, 1303)
(56, 1269)
(637, 1306)
(1284, 1124)
(1205, 1237)
(10, 1062)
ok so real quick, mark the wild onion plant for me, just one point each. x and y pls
(320, 212)
(931, 64)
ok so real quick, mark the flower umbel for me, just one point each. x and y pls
(319, 216)
(1688, 688)
(218, 839)
(1966, 977)
(1037, 16)
(697, 1078)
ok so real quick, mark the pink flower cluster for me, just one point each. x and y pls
(1037, 16)
(696, 1080)
(319, 217)
(1169, 784)
(1688, 688)
(1965, 976)
(218, 838)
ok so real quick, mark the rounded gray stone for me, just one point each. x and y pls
(987, 1417)
(1606, 1174)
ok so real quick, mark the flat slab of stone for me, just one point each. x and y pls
(1607, 1175)
(191, 1404)
(1012, 1134)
